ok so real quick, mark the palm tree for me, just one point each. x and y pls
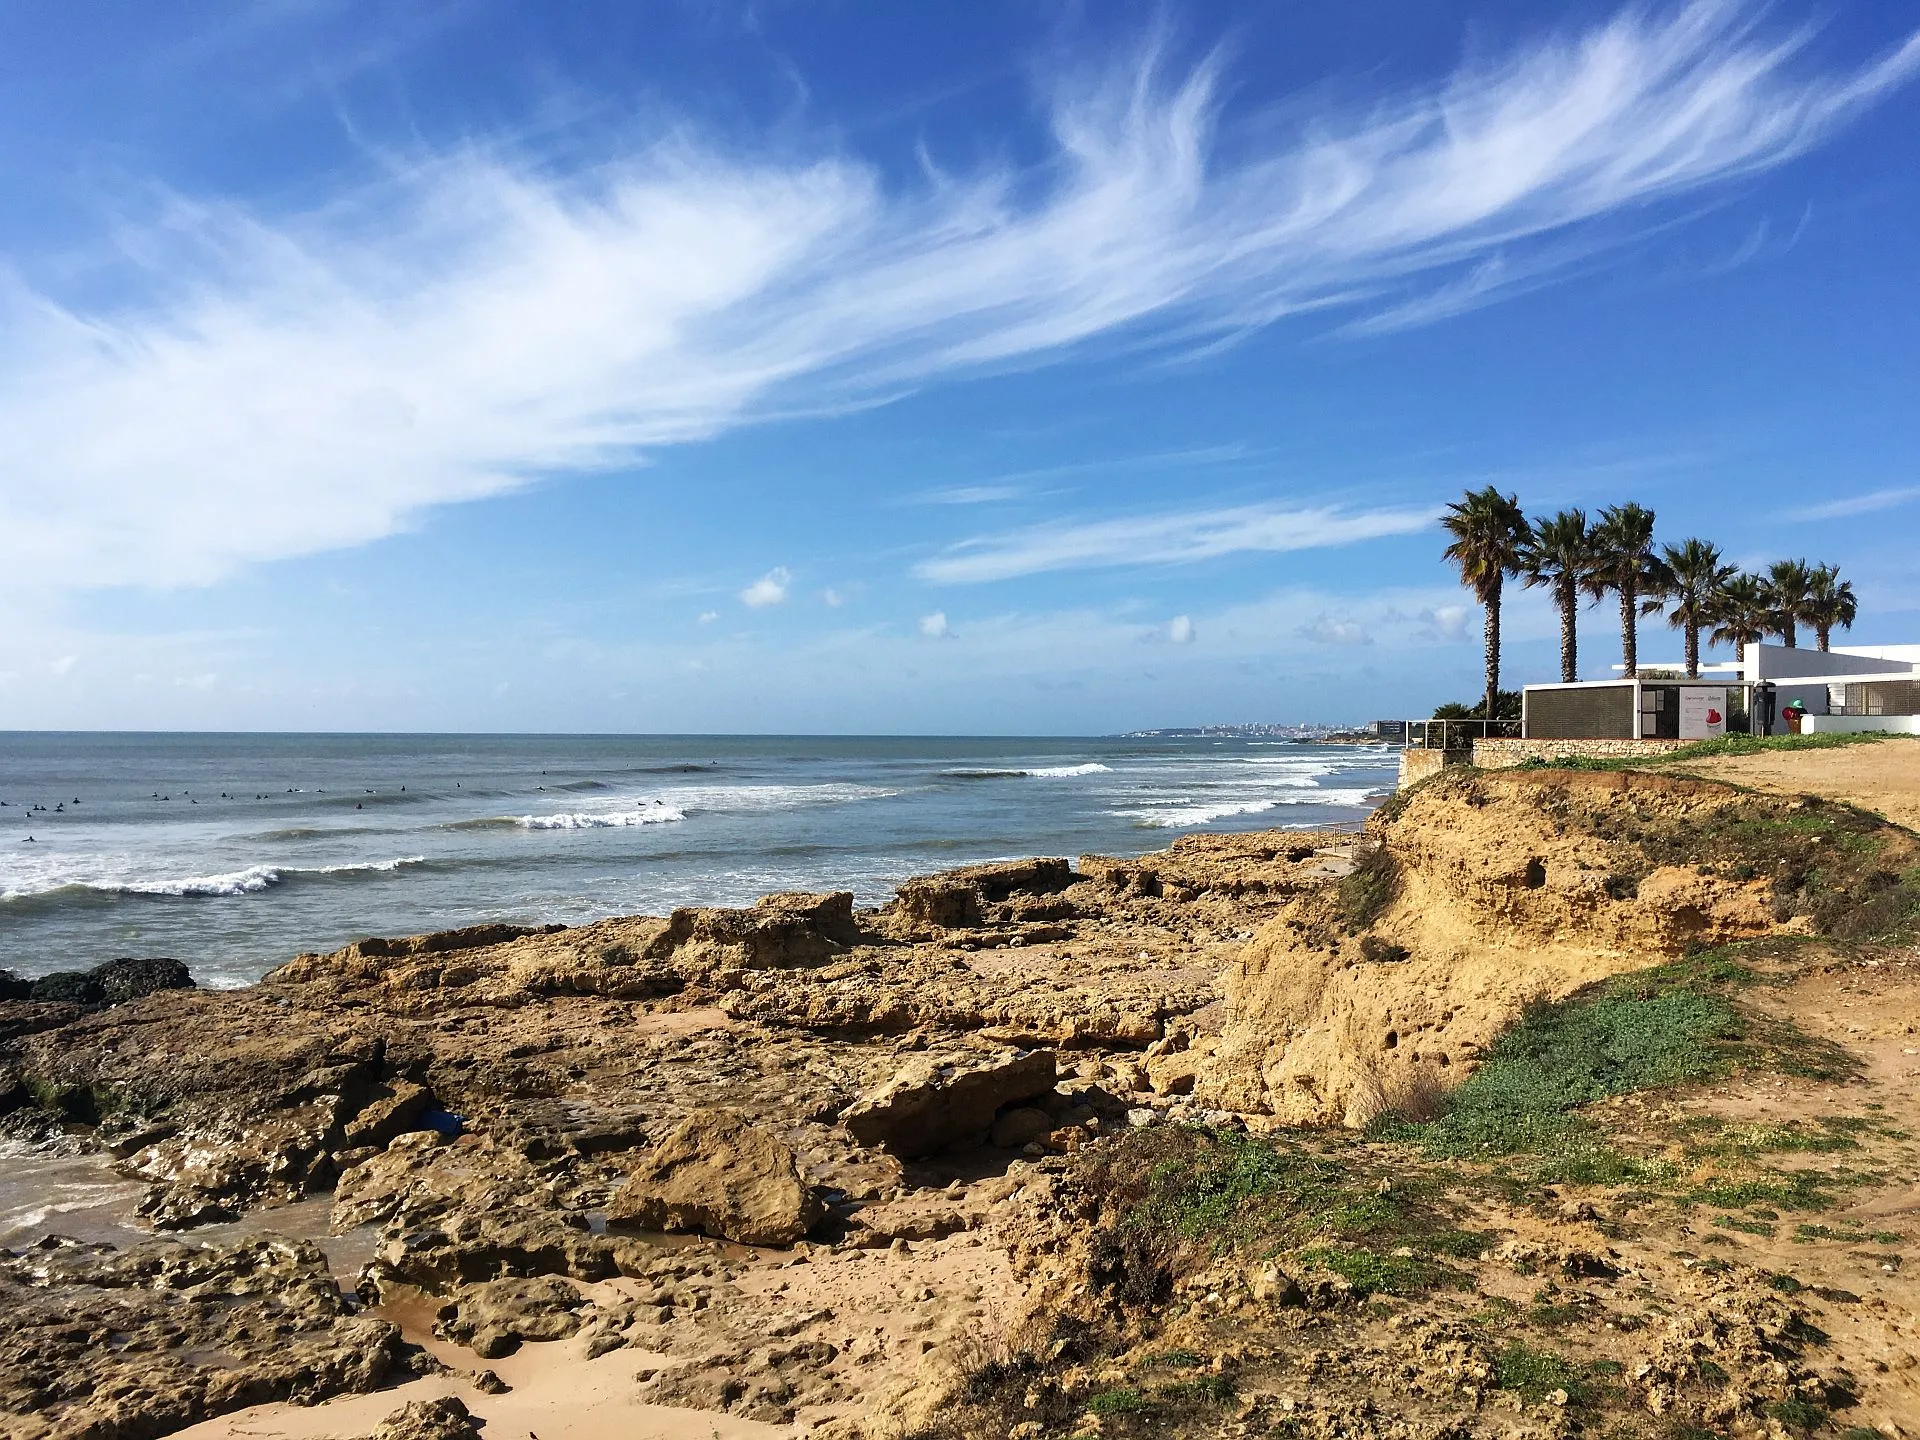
(1559, 553)
(1830, 602)
(1742, 613)
(1788, 582)
(1487, 529)
(1695, 575)
(1625, 565)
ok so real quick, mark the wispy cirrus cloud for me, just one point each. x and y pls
(1168, 538)
(270, 385)
(1857, 504)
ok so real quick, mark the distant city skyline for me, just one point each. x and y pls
(733, 368)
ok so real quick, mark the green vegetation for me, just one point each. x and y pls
(1847, 871)
(1117, 1402)
(1368, 889)
(1536, 1374)
(1618, 1037)
(1371, 1273)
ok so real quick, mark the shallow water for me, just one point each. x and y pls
(233, 853)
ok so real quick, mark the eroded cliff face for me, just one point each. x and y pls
(1483, 892)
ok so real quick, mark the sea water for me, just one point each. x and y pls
(234, 852)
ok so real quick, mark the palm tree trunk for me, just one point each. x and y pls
(1825, 632)
(1629, 636)
(1788, 634)
(1569, 600)
(1493, 649)
(1693, 650)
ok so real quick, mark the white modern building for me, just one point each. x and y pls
(1855, 687)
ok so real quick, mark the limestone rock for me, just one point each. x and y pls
(1489, 890)
(947, 1101)
(1020, 1126)
(722, 1176)
(442, 1419)
(495, 1317)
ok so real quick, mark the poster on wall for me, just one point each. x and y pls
(1703, 713)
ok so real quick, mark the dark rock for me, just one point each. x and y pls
(69, 987)
(128, 979)
(12, 987)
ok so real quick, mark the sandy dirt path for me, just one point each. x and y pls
(1883, 776)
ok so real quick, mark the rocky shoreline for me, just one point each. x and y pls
(865, 1171)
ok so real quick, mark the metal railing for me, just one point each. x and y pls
(1431, 734)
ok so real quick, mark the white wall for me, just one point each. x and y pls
(1773, 662)
(1859, 724)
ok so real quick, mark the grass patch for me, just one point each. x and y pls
(1117, 1402)
(1227, 1189)
(1368, 889)
(1619, 1037)
(1371, 1273)
(1534, 1375)
(1825, 1136)
(1714, 749)
(1808, 1234)
(1788, 1189)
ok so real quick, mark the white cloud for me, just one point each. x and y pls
(1163, 539)
(968, 495)
(1180, 630)
(1857, 504)
(769, 589)
(934, 626)
(62, 665)
(832, 599)
(1322, 629)
(264, 386)
(707, 617)
(1448, 622)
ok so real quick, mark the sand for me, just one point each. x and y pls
(1882, 776)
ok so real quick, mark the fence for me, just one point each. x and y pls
(1433, 734)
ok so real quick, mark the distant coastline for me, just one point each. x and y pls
(1303, 734)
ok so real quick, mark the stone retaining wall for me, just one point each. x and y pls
(1417, 765)
(1502, 754)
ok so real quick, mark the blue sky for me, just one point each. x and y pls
(874, 367)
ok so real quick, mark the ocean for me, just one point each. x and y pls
(233, 853)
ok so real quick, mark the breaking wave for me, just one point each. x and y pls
(249, 881)
(1044, 772)
(1177, 815)
(657, 813)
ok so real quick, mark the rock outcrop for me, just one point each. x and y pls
(718, 1174)
(946, 1102)
(154, 1338)
(1476, 894)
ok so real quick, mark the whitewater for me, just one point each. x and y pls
(234, 853)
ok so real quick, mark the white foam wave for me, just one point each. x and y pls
(657, 813)
(250, 881)
(1063, 772)
(1174, 815)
